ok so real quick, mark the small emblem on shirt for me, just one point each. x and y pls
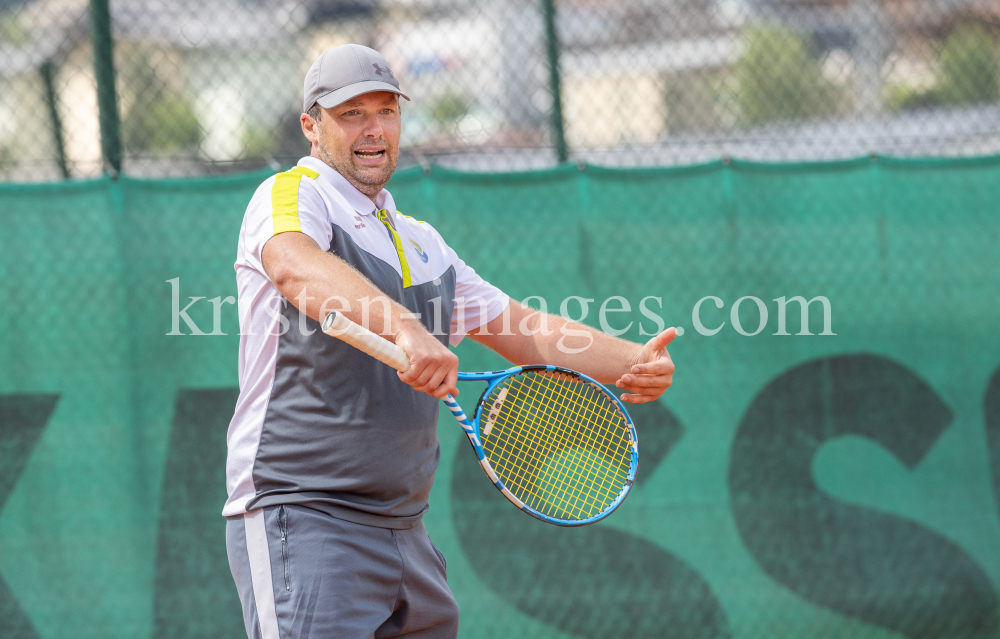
(360, 224)
(420, 251)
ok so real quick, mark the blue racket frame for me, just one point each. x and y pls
(471, 428)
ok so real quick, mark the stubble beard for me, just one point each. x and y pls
(369, 181)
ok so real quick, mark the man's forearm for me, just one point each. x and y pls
(589, 351)
(550, 339)
(318, 282)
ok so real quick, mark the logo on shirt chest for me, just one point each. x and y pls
(358, 224)
(420, 251)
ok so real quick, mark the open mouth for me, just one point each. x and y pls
(370, 154)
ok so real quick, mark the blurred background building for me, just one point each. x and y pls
(208, 87)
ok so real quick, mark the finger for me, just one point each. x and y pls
(660, 342)
(660, 366)
(432, 384)
(429, 372)
(403, 342)
(441, 391)
(449, 384)
(406, 378)
(645, 381)
(446, 387)
(421, 370)
(417, 368)
(638, 399)
(643, 390)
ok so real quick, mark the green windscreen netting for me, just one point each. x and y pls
(791, 484)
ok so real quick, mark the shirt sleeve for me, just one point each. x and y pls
(477, 302)
(286, 202)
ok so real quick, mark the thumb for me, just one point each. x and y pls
(405, 344)
(661, 341)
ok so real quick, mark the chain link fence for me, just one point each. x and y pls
(206, 87)
(791, 484)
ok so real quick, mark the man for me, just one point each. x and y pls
(331, 453)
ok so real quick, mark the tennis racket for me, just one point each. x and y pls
(555, 442)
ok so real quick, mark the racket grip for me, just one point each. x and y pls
(337, 325)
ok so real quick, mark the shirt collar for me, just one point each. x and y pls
(354, 197)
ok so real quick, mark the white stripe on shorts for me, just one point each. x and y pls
(260, 573)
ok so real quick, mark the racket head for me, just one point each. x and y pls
(556, 443)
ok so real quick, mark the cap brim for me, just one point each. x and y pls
(340, 96)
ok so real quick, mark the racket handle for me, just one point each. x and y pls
(337, 325)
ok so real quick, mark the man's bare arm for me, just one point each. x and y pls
(644, 370)
(312, 279)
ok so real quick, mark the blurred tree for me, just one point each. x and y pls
(700, 99)
(260, 142)
(13, 31)
(969, 66)
(900, 97)
(780, 79)
(449, 108)
(160, 118)
(168, 124)
(7, 157)
(968, 73)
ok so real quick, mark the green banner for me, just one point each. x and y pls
(827, 473)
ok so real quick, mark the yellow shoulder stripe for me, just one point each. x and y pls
(412, 218)
(285, 199)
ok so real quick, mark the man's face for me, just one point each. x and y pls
(359, 138)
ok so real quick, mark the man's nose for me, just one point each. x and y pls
(373, 128)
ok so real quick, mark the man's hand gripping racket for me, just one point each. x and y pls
(555, 442)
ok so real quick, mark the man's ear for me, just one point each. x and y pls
(309, 126)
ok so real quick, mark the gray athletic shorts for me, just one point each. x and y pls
(302, 574)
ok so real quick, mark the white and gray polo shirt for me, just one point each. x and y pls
(317, 421)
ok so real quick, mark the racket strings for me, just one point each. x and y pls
(558, 443)
(576, 478)
(601, 484)
(521, 448)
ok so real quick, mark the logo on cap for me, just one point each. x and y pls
(379, 69)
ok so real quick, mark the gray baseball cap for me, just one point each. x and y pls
(346, 72)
